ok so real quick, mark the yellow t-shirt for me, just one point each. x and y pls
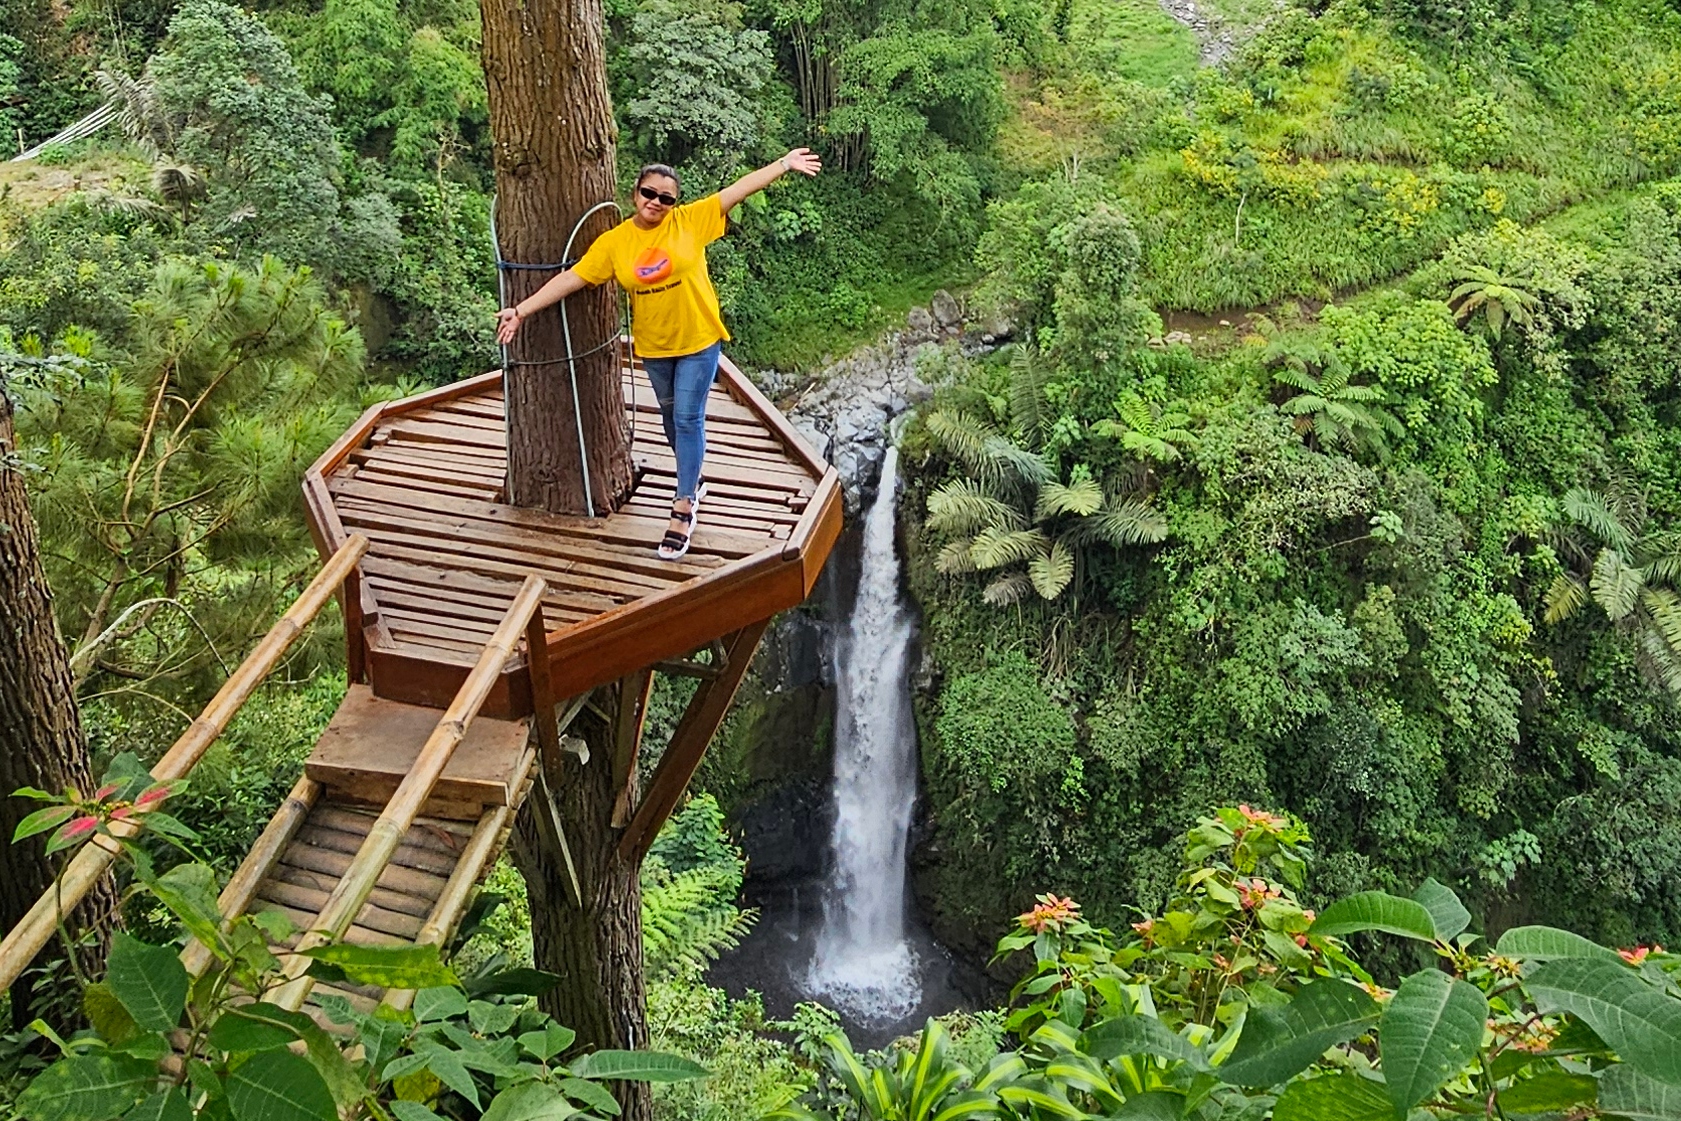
(674, 308)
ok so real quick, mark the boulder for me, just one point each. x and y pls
(947, 312)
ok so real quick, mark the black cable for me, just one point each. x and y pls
(514, 266)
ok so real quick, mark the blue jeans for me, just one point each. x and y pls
(681, 385)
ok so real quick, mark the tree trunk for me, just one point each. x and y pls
(41, 741)
(545, 68)
(597, 948)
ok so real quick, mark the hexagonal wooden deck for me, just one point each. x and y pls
(423, 478)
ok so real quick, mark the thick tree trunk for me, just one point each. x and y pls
(41, 741)
(545, 68)
(597, 948)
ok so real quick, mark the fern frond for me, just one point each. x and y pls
(1007, 590)
(1083, 496)
(687, 919)
(1051, 572)
(1616, 586)
(995, 548)
(964, 506)
(1028, 378)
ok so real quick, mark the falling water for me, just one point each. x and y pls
(863, 962)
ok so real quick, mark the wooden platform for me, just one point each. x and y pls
(423, 479)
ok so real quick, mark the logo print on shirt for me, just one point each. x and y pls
(652, 265)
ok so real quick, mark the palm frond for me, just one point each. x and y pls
(965, 506)
(995, 548)
(1028, 378)
(955, 557)
(1083, 496)
(991, 457)
(1122, 522)
(1593, 511)
(1616, 585)
(1007, 590)
(1051, 572)
(1564, 598)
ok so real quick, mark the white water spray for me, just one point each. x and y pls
(863, 963)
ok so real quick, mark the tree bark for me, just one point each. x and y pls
(545, 69)
(41, 741)
(596, 949)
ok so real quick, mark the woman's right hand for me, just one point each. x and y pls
(508, 322)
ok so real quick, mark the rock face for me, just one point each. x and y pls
(848, 411)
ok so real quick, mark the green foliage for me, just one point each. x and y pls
(690, 881)
(998, 729)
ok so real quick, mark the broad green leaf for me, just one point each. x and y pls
(167, 826)
(1544, 943)
(1640, 1023)
(1625, 1092)
(638, 1066)
(412, 1111)
(512, 982)
(1432, 1027)
(1551, 1091)
(439, 1003)
(549, 1042)
(107, 1014)
(150, 981)
(86, 1088)
(491, 1019)
(1140, 1035)
(279, 1086)
(189, 891)
(1446, 911)
(165, 1105)
(1279, 1043)
(388, 967)
(1156, 1105)
(249, 1028)
(1336, 1097)
(1377, 910)
(324, 1054)
(449, 1068)
(529, 1101)
(1039, 1101)
(380, 1038)
(961, 1107)
(42, 820)
(592, 1094)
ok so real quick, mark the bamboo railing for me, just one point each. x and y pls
(91, 862)
(353, 889)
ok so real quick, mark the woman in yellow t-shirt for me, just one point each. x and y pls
(658, 255)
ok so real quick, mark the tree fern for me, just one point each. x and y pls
(689, 917)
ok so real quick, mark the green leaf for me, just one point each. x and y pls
(1640, 1023)
(549, 1042)
(165, 1105)
(1551, 1091)
(92, 1087)
(592, 1094)
(251, 1028)
(491, 1019)
(279, 1086)
(447, 1065)
(388, 967)
(529, 1101)
(413, 1111)
(1337, 1097)
(189, 891)
(1626, 1092)
(1040, 1102)
(107, 1014)
(1431, 1029)
(42, 820)
(638, 1066)
(1447, 913)
(512, 982)
(1279, 1043)
(380, 1038)
(1544, 943)
(1140, 1035)
(167, 826)
(150, 981)
(439, 1003)
(1377, 910)
(1156, 1105)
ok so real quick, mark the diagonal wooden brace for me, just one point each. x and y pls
(689, 742)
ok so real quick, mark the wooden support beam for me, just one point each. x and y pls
(634, 689)
(387, 833)
(32, 932)
(688, 744)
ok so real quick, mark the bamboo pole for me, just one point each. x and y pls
(399, 813)
(236, 897)
(32, 932)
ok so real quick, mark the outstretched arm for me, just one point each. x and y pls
(802, 160)
(509, 319)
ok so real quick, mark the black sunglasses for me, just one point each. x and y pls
(651, 194)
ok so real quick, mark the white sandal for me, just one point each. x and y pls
(674, 546)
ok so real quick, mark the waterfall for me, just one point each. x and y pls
(863, 962)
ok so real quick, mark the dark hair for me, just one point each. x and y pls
(659, 169)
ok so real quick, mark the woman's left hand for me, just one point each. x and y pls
(804, 161)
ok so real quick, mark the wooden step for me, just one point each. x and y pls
(371, 743)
